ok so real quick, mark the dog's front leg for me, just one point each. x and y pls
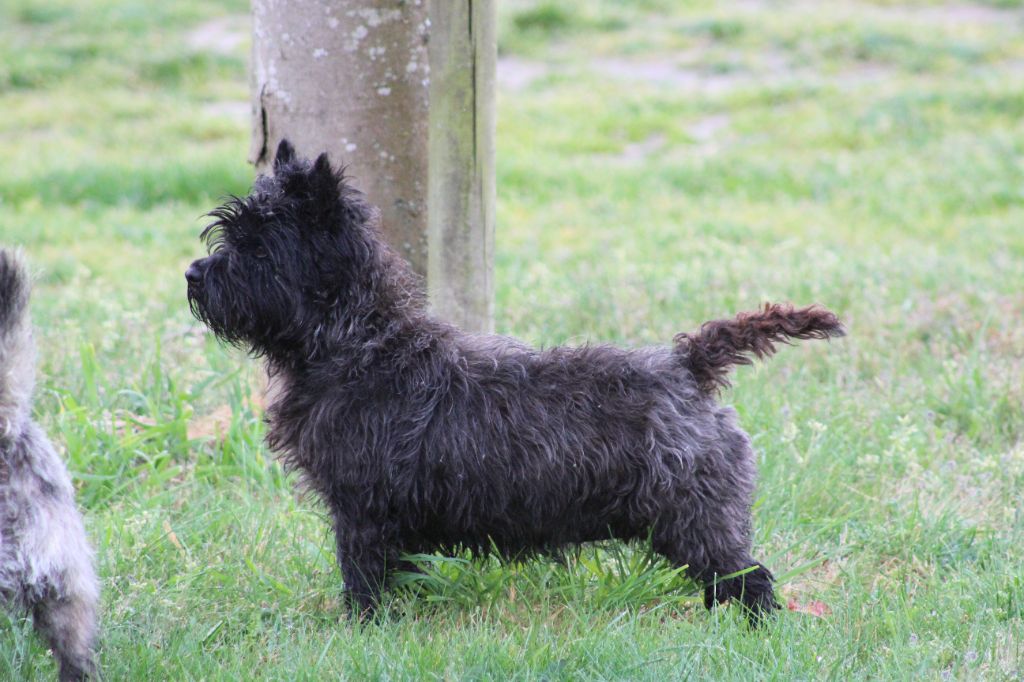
(363, 553)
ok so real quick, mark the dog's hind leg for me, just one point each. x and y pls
(63, 592)
(67, 624)
(708, 527)
(753, 589)
(708, 560)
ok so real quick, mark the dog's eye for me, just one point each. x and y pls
(260, 252)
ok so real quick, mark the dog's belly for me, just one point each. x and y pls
(535, 500)
(511, 536)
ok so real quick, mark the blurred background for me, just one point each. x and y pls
(659, 163)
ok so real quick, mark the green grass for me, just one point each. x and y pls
(665, 163)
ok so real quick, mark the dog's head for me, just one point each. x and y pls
(282, 257)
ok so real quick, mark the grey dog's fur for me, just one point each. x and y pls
(45, 560)
(420, 437)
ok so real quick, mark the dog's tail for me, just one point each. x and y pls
(17, 351)
(720, 344)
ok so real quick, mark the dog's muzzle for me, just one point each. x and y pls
(194, 274)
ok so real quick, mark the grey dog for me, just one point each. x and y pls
(419, 437)
(45, 560)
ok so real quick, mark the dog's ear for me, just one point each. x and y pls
(322, 167)
(285, 154)
(324, 179)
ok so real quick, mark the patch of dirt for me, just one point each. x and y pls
(934, 15)
(955, 14)
(803, 589)
(237, 111)
(770, 71)
(706, 129)
(638, 151)
(213, 425)
(515, 73)
(223, 35)
(668, 72)
(703, 131)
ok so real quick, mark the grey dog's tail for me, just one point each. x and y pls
(17, 352)
(720, 344)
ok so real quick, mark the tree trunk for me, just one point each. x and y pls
(463, 52)
(354, 78)
(350, 77)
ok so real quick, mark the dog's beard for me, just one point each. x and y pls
(262, 320)
(225, 318)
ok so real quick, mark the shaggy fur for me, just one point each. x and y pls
(45, 560)
(421, 438)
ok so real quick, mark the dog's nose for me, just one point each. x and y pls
(194, 274)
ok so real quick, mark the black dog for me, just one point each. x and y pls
(421, 438)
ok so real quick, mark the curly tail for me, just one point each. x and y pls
(17, 352)
(720, 344)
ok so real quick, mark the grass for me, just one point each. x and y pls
(661, 163)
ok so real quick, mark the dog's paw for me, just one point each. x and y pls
(753, 590)
(759, 606)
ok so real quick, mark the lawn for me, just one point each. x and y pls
(660, 163)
